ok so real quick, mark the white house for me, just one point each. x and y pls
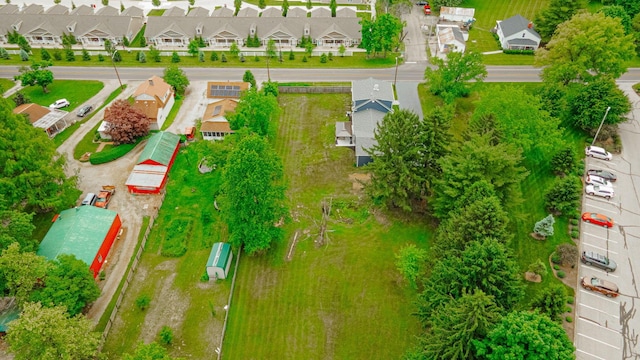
(517, 33)
(464, 15)
(450, 38)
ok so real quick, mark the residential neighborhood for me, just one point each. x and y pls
(212, 180)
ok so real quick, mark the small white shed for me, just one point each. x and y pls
(219, 261)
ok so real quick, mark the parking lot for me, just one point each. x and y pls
(608, 328)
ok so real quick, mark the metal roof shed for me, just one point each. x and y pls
(219, 261)
(87, 232)
(152, 169)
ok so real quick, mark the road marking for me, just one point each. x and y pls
(600, 237)
(602, 199)
(593, 268)
(601, 342)
(601, 248)
(590, 354)
(600, 311)
(603, 209)
(599, 295)
(591, 322)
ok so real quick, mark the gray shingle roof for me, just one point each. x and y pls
(346, 12)
(57, 10)
(321, 12)
(272, 12)
(83, 10)
(173, 11)
(248, 12)
(108, 11)
(198, 11)
(527, 42)
(297, 12)
(33, 9)
(133, 12)
(9, 9)
(371, 88)
(516, 24)
(364, 124)
(222, 12)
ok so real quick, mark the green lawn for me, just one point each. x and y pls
(6, 84)
(156, 12)
(358, 60)
(340, 300)
(76, 91)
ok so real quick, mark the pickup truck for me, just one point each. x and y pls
(104, 197)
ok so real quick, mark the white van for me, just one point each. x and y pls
(90, 199)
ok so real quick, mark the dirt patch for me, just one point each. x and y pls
(358, 181)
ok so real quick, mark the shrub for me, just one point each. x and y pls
(568, 254)
(330, 56)
(24, 56)
(256, 58)
(569, 319)
(106, 156)
(575, 234)
(564, 194)
(561, 274)
(201, 56)
(19, 98)
(570, 300)
(69, 55)
(214, 56)
(223, 58)
(323, 58)
(85, 55)
(166, 335)
(100, 57)
(142, 57)
(538, 268)
(204, 277)
(57, 55)
(544, 227)
(4, 54)
(44, 54)
(102, 275)
(242, 59)
(292, 56)
(304, 58)
(175, 58)
(555, 258)
(556, 267)
(518, 52)
(143, 301)
(574, 222)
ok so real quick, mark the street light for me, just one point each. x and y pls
(114, 66)
(601, 123)
(395, 78)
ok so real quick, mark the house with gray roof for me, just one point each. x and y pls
(450, 39)
(222, 12)
(198, 11)
(272, 12)
(33, 9)
(82, 10)
(371, 100)
(297, 12)
(108, 11)
(223, 31)
(41, 28)
(133, 11)
(346, 12)
(517, 33)
(57, 10)
(9, 9)
(173, 11)
(248, 12)
(321, 12)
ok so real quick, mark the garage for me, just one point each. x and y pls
(152, 168)
(87, 232)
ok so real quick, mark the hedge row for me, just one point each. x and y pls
(111, 154)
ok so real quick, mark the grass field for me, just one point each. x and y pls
(340, 300)
(6, 84)
(76, 91)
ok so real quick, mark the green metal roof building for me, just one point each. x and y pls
(160, 149)
(219, 261)
(87, 232)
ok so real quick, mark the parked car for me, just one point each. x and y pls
(598, 219)
(83, 111)
(58, 104)
(598, 260)
(422, 2)
(90, 199)
(597, 152)
(597, 180)
(602, 191)
(602, 286)
(605, 174)
(104, 196)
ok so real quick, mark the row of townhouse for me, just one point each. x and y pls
(175, 28)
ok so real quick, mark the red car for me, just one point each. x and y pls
(602, 286)
(598, 219)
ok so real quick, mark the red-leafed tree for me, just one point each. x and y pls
(125, 123)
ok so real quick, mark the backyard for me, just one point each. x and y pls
(76, 91)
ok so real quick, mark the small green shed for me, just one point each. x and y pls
(219, 261)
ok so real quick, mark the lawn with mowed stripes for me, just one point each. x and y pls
(343, 298)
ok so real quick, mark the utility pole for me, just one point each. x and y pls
(601, 123)
(114, 67)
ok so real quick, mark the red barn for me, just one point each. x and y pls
(152, 169)
(87, 232)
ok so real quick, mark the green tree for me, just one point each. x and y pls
(154, 54)
(618, 12)
(557, 12)
(68, 283)
(520, 119)
(308, 48)
(248, 77)
(256, 111)
(201, 56)
(564, 161)
(587, 103)
(405, 156)
(166, 335)
(214, 56)
(21, 271)
(24, 56)
(458, 324)
(194, 47)
(4, 54)
(16, 227)
(580, 51)
(155, 3)
(237, 4)
(121, 7)
(563, 195)
(254, 196)
(309, 5)
(50, 333)
(544, 227)
(410, 262)
(109, 47)
(177, 78)
(451, 78)
(551, 301)
(85, 55)
(526, 335)
(44, 55)
(262, 4)
(342, 50)
(271, 48)
(31, 170)
(152, 351)
(285, 7)
(234, 50)
(175, 58)
(487, 266)
(476, 160)
(270, 88)
(632, 7)
(142, 57)
(36, 74)
(333, 5)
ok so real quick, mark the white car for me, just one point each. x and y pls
(59, 104)
(602, 191)
(597, 180)
(597, 152)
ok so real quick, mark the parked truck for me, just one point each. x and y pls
(104, 197)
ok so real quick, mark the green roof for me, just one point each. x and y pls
(160, 148)
(219, 256)
(78, 231)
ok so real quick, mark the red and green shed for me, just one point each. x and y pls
(152, 168)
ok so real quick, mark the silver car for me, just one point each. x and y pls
(597, 180)
(598, 260)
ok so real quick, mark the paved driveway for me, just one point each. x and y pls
(608, 328)
(408, 97)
